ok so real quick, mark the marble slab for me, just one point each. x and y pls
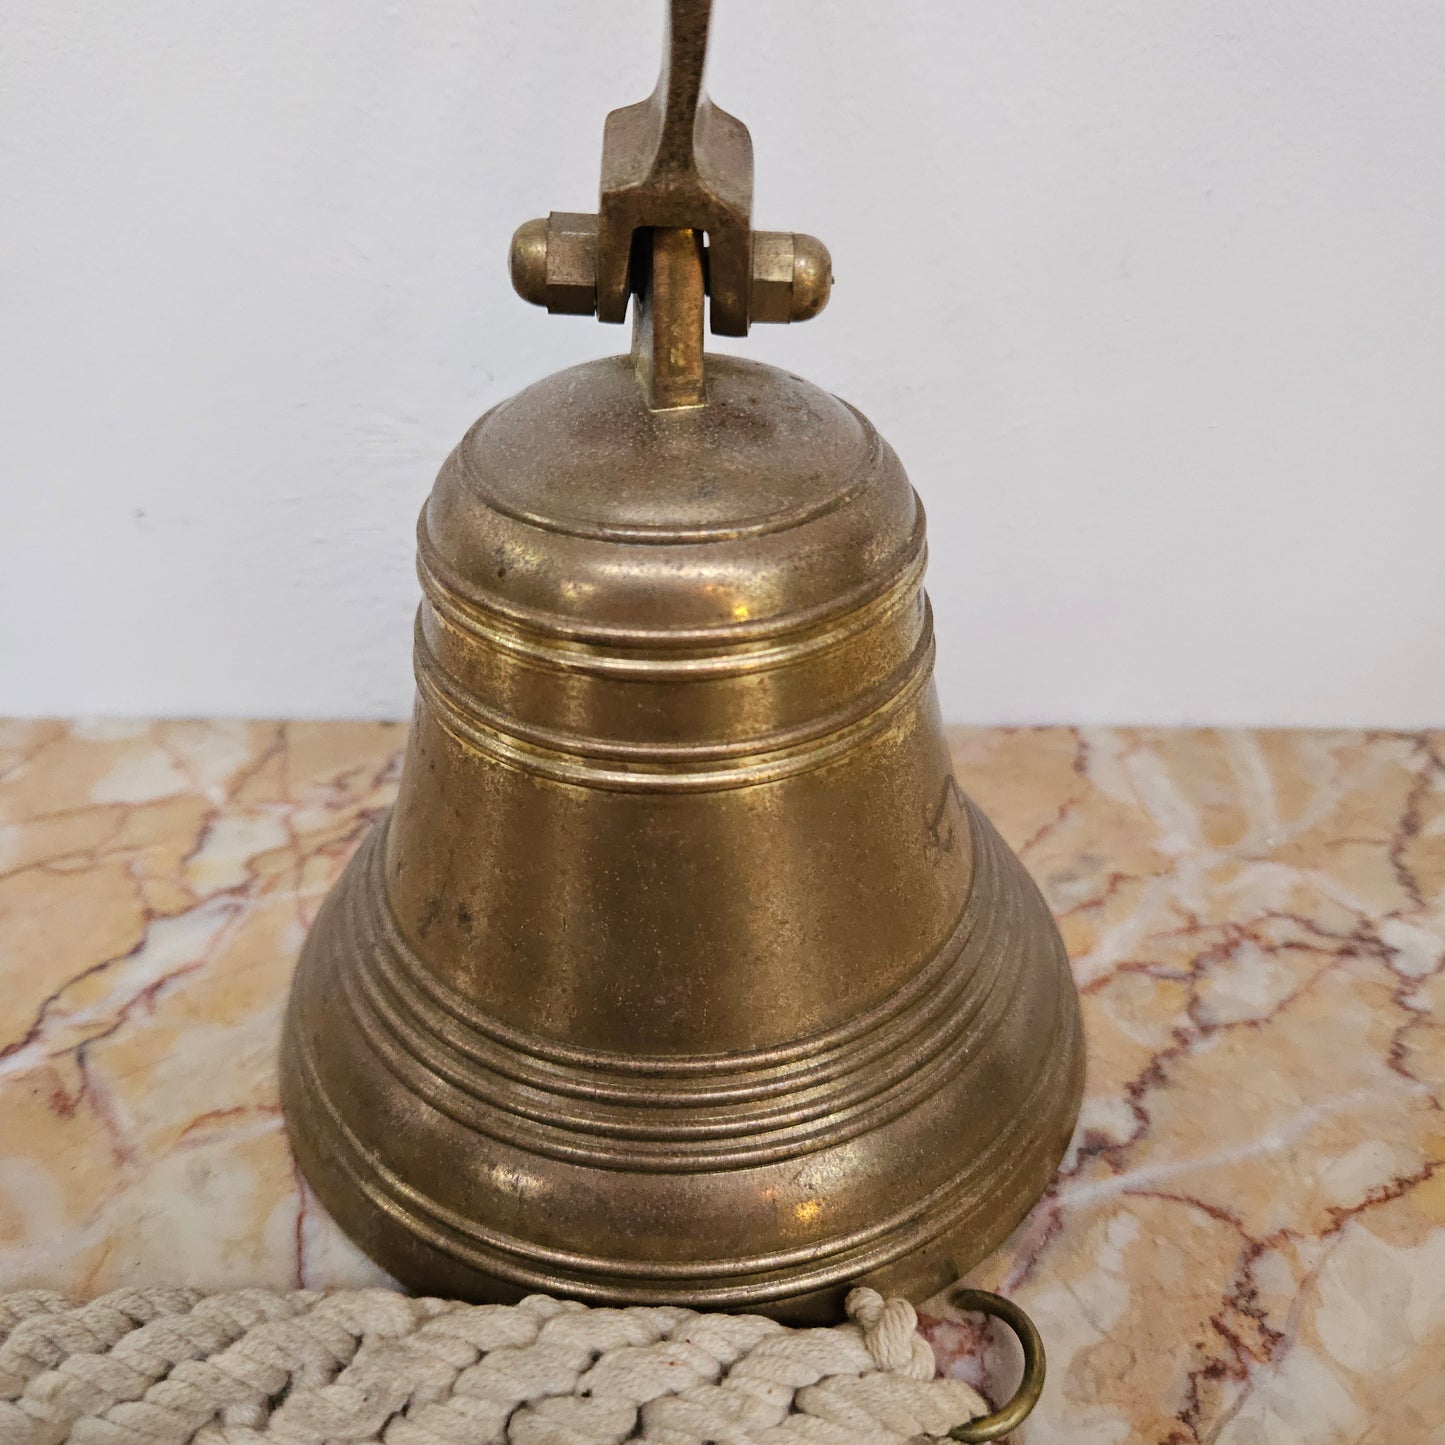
(1246, 1243)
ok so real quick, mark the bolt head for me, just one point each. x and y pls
(812, 276)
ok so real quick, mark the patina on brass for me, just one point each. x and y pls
(682, 971)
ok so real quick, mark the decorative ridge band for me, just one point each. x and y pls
(718, 1283)
(840, 1041)
(834, 1089)
(630, 659)
(492, 729)
(656, 770)
(488, 617)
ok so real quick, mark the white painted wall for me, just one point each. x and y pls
(1177, 408)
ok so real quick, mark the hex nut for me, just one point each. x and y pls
(792, 276)
(554, 263)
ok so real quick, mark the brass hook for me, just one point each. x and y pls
(1018, 1409)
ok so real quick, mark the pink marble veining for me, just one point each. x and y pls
(1246, 1244)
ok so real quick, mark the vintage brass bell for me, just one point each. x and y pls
(682, 971)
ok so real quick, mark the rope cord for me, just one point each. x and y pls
(166, 1366)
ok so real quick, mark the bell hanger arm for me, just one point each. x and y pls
(679, 86)
(674, 161)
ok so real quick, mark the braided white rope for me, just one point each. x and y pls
(164, 1366)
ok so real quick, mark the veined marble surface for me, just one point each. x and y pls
(1246, 1243)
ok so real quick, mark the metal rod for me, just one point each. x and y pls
(667, 327)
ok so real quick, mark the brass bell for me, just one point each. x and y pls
(682, 971)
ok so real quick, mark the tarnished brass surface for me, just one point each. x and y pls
(682, 970)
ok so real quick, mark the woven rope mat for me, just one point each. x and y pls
(143, 1367)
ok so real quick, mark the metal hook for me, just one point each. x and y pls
(1017, 1410)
